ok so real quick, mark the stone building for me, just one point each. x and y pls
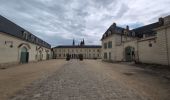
(88, 51)
(146, 44)
(17, 45)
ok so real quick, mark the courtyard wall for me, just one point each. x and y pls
(11, 55)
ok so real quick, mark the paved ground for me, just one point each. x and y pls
(17, 77)
(96, 80)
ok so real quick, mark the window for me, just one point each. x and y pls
(109, 32)
(36, 40)
(26, 36)
(24, 33)
(105, 45)
(110, 44)
(104, 35)
(32, 38)
(29, 37)
(105, 55)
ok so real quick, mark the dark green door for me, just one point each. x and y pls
(24, 57)
(27, 57)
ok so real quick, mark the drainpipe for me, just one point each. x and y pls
(167, 45)
(123, 52)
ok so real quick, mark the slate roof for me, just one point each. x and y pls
(77, 46)
(10, 28)
(147, 29)
(114, 29)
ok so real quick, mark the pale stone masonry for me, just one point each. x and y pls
(88, 51)
(146, 44)
(17, 45)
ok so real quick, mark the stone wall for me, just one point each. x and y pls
(109, 50)
(163, 38)
(88, 53)
(151, 51)
(10, 50)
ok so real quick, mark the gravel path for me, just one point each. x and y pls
(76, 81)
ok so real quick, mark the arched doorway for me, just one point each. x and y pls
(24, 55)
(47, 55)
(129, 53)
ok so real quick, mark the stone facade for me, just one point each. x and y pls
(88, 51)
(147, 44)
(16, 46)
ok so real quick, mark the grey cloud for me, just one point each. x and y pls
(59, 21)
(123, 9)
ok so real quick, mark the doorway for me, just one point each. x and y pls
(24, 56)
(47, 56)
(129, 54)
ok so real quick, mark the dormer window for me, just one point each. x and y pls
(109, 32)
(104, 35)
(32, 38)
(29, 36)
(25, 34)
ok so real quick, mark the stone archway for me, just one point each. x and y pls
(23, 52)
(129, 54)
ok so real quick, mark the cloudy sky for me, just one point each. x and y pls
(59, 21)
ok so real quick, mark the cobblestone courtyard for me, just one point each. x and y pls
(94, 80)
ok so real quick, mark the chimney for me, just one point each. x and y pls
(161, 21)
(166, 20)
(114, 24)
